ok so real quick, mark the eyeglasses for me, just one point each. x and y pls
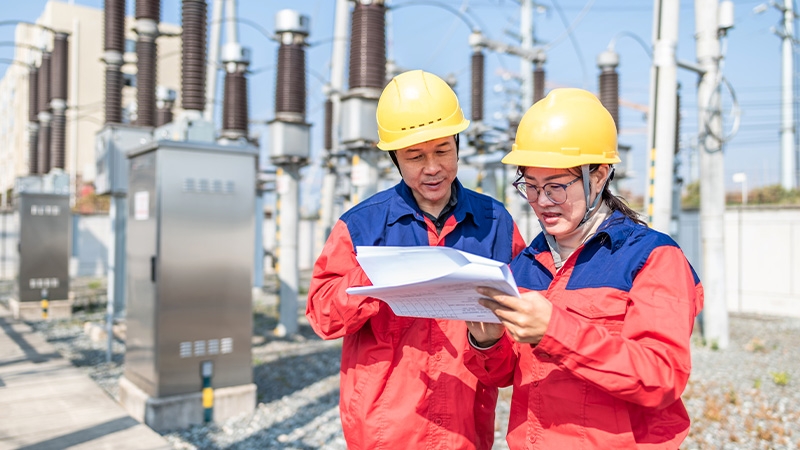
(555, 192)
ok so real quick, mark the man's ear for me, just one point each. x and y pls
(393, 155)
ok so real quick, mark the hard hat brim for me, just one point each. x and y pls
(424, 135)
(553, 160)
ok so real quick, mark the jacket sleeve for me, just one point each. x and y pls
(330, 310)
(495, 365)
(649, 361)
(517, 242)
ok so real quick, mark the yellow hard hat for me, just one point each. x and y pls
(568, 128)
(417, 107)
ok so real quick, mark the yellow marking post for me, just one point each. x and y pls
(208, 397)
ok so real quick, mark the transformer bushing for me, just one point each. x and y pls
(44, 115)
(608, 61)
(289, 131)
(165, 101)
(193, 55)
(477, 85)
(58, 104)
(148, 14)
(539, 76)
(367, 75)
(290, 150)
(234, 107)
(33, 120)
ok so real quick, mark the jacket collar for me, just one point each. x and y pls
(617, 227)
(404, 204)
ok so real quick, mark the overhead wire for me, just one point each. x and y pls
(569, 33)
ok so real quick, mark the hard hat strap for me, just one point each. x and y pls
(587, 191)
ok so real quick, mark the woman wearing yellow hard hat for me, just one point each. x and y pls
(597, 347)
(403, 379)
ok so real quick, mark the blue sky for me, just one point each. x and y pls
(428, 37)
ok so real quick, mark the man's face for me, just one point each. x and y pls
(429, 169)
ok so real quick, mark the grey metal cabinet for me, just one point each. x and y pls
(191, 221)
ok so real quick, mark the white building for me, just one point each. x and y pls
(86, 79)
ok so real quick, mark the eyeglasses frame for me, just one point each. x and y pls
(521, 181)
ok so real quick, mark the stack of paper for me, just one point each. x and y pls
(432, 282)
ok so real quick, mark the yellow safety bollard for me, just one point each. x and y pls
(44, 303)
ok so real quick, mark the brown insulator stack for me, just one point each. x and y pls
(33, 94)
(608, 61)
(58, 77)
(59, 64)
(538, 84)
(290, 88)
(477, 85)
(513, 125)
(328, 132)
(114, 39)
(165, 100)
(234, 107)
(678, 120)
(33, 120)
(45, 117)
(609, 93)
(368, 46)
(43, 152)
(193, 55)
(148, 9)
(44, 84)
(148, 14)
(163, 115)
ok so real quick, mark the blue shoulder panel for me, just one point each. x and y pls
(617, 252)
(528, 272)
(611, 258)
(392, 217)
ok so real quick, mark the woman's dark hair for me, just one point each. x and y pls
(614, 202)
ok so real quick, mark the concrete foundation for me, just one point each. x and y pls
(181, 411)
(31, 311)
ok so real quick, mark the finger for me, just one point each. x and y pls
(491, 304)
(506, 301)
(489, 291)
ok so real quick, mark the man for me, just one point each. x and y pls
(403, 381)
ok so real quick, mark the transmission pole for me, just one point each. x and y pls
(712, 179)
(526, 65)
(328, 214)
(661, 120)
(788, 150)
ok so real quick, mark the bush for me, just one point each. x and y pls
(765, 195)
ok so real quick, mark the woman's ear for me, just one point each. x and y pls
(599, 176)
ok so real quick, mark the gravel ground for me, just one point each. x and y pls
(744, 397)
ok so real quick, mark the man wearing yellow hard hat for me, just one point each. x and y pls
(403, 380)
(597, 347)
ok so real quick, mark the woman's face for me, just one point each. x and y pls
(561, 219)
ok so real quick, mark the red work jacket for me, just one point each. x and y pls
(404, 384)
(611, 367)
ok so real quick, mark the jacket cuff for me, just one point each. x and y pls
(474, 344)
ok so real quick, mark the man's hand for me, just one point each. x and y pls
(486, 334)
(526, 318)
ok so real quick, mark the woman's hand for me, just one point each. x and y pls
(486, 334)
(526, 318)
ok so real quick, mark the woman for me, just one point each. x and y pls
(597, 347)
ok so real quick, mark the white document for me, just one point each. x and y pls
(432, 282)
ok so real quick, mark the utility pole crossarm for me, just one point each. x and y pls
(478, 40)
